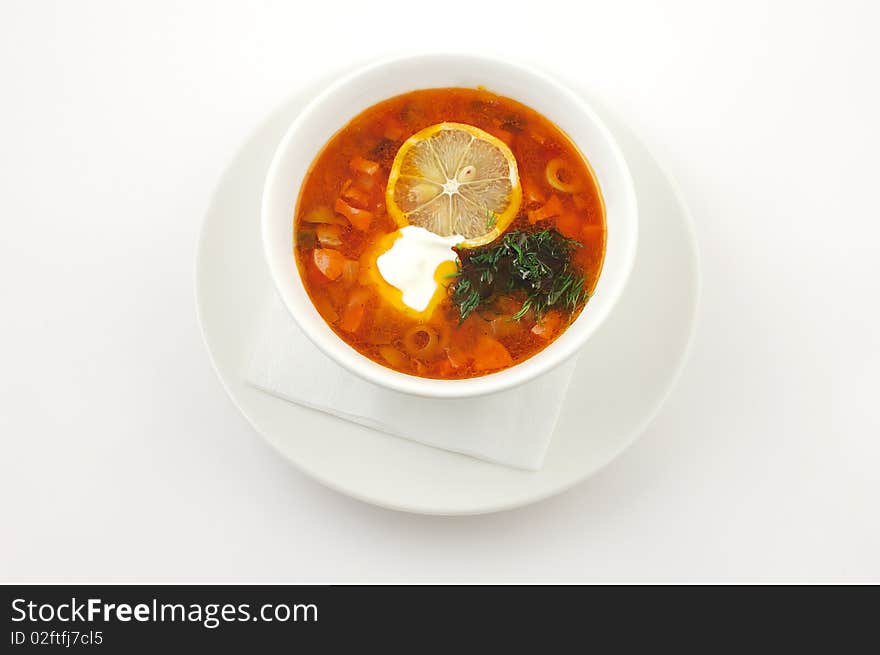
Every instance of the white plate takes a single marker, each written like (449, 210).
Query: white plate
(624, 374)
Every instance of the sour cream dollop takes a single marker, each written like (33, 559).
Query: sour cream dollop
(409, 265)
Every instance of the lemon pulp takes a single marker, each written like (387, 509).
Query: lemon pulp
(453, 178)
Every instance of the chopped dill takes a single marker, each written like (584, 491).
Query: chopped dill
(535, 264)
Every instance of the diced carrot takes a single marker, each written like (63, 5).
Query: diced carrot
(551, 208)
(570, 224)
(579, 201)
(329, 262)
(360, 218)
(353, 314)
(548, 326)
(532, 193)
(490, 354)
(361, 165)
(328, 235)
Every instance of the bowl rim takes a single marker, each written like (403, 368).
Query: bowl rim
(324, 338)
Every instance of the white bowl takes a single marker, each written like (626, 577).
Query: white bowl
(349, 96)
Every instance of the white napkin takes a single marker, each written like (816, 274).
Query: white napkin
(512, 427)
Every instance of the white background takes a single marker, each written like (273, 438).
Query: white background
(122, 458)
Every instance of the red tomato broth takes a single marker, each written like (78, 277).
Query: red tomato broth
(487, 341)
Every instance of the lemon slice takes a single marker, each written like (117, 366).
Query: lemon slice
(453, 178)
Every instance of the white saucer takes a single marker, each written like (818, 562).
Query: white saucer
(623, 376)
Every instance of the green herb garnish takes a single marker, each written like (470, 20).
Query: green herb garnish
(535, 264)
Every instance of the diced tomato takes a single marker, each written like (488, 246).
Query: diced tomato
(570, 224)
(361, 165)
(551, 208)
(548, 326)
(353, 313)
(329, 262)
(360, 218)
(490, 354)
(532, 193)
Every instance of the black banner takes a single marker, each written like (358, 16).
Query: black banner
(242, 618)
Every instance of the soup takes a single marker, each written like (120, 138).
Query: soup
(449, 233)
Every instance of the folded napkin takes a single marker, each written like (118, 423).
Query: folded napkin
(512, 427)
